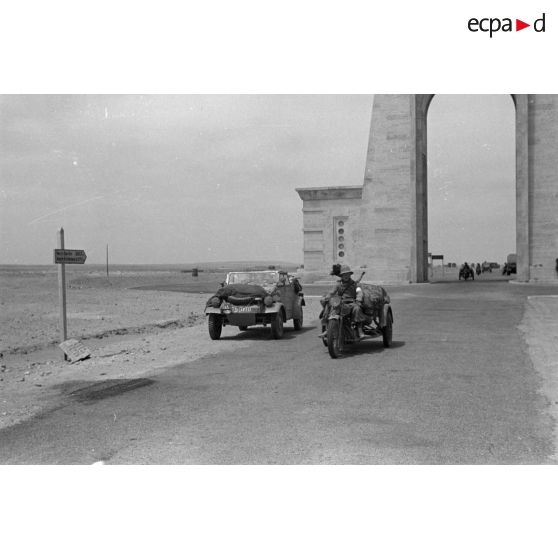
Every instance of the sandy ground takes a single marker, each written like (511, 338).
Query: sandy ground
(130, 333)
(540, 329)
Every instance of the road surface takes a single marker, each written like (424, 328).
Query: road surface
(457, 387)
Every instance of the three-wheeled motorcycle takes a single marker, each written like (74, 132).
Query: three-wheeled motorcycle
(339, 330)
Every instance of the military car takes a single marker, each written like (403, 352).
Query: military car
(249, 298)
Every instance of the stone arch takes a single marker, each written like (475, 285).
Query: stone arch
(419, 267)
(387, 214)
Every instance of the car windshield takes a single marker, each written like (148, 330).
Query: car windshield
(252, 277)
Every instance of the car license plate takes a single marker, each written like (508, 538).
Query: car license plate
(244, 309)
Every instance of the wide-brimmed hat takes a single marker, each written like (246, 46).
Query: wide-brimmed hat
(345, 269)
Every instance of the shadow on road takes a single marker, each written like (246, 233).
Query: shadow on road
(261, 333)
(372, 346)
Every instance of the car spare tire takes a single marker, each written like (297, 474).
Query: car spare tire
(241, 300)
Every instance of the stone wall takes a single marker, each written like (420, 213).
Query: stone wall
(326, 211)
(543, 181)
(387, 212)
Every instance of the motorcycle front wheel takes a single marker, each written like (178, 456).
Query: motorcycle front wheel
(324, 339)
(334, 339)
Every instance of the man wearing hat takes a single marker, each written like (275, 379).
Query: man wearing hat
(346, 288)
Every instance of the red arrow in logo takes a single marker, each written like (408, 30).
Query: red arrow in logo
(519, 25)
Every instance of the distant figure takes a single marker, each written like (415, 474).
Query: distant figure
(466, 271)
(478, 269)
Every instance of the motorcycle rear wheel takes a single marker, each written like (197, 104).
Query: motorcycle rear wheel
(334, 339)
(387, 331)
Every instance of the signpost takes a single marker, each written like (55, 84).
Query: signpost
(63, 257)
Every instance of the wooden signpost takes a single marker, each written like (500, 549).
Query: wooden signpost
(63, 257)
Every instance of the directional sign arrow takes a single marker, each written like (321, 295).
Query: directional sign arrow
(65, 256)
(519, 25)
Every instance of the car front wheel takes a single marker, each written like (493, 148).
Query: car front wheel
(297, 322)
(277, 326)
(215, 326)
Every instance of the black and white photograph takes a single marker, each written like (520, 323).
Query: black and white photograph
(209, 273)
(282, 281)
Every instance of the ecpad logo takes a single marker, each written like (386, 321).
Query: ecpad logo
(492, 25)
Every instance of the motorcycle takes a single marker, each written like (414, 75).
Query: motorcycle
(466, 273)
(339, 330)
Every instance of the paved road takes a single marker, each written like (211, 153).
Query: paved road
(457, 387)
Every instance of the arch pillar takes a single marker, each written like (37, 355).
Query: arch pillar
(522, 219)
(419, 109)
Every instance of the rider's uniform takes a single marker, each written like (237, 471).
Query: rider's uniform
(350, 290)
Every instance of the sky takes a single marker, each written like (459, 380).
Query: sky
(171, 179)
(471, 177)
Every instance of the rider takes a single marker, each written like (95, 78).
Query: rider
(346, 288)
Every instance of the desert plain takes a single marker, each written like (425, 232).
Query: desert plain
(131, 326)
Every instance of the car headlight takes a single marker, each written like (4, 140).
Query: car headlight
(215, 302)
(268, 300)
